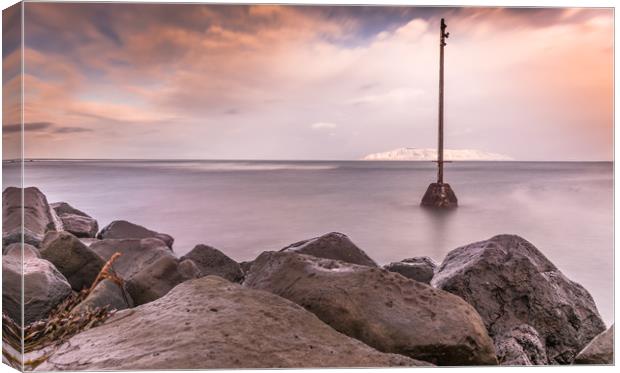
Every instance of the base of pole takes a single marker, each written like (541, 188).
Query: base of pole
(439, 196)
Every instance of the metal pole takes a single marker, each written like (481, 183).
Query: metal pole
(442, 42)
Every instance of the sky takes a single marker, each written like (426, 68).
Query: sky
(179, 81)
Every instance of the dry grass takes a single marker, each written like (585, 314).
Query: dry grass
(60, 324)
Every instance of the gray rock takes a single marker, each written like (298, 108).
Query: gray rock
(147, 265)
(75, 221)
(79, 264)
(509, 282)
(210, 323)
(211, 261)
(189, 269)
(246, 265)
(155, 280)
(12, 287)
(136, 254)
(105, 294)
(15, 250)
(599, 351)
(63, 208)
(168, 239)
(520, 346)
(420, 268)
(88, 241)
(80, 226)
(333, 245)
(44, 288)
(36, 215)
(382, 309)
(120, 229)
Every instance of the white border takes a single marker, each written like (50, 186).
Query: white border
(489, 3)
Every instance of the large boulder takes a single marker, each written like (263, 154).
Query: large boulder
(599, 351)
(419, 268)
(105, 294)
(120, 229)
(147, 265)
(15, 250)
(36, 215)
(44, 288)
(333, 245)
(79, 264)
(382, 309)
(75, 221)
(510, 283)
(211, 261)
(210, 323)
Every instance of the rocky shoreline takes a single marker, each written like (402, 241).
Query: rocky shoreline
(321, 302)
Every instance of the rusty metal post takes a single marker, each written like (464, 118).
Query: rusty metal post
(440, 195)
(443, 35)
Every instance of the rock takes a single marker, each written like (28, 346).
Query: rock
(63, 208)
(12, 287)
(211, 261)
(168, 240)
(509, 282)
(119, 229)
(189, 269)
(80, 226)
(382, 309)
(147, 265)
(420, 268)
(155, 280)
(520, 346)
(136, 254)
(246, 265)
(333, 245)
(210, 323)
(36, 215)
(15, 250)
(79, 264)
(599, 351)
(44, 288)
(105, 294)
(88, 241)
(75, 221)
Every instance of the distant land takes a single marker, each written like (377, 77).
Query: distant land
(415, 154)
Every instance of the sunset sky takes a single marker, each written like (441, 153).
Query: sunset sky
(309, 82)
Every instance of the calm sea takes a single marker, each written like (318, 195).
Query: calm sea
(246, 207)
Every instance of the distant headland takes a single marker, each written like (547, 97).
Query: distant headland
(417, 154)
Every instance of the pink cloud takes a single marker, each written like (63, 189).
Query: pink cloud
(244, 77)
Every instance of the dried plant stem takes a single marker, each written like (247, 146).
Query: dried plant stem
(60, 324)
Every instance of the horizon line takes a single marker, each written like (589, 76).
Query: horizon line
(14, 160)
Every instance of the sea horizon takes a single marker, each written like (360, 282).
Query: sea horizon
(11, 160)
